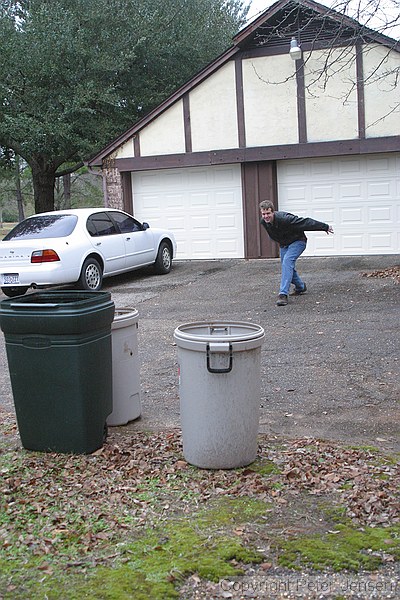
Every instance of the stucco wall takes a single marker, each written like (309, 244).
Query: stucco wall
(270, 102)
(331, 95)
(382, 91)
(126, 150)
(213, 113)
(165, 135)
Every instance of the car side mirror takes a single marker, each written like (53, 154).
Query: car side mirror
(145, 225)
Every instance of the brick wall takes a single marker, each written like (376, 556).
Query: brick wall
(113, 184)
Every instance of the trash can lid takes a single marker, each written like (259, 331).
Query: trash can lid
(241, 334)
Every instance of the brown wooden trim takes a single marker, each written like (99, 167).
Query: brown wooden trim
(127, 199)
(186, 123)
(285, 47)
(240, 103)
(244, 155)
(136, 145)
(259, 182)
(301, 102)
(360, 91)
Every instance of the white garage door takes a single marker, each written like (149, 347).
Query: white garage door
(201, 205)
(359, 196)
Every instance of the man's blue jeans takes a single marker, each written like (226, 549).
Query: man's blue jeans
(289, 255)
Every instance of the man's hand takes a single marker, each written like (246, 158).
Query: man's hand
(330, 229)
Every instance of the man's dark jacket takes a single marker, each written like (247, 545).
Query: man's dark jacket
(287, 228)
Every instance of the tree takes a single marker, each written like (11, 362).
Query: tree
(75, 73)
(13, 182)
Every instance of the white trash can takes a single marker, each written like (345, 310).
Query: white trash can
(125, 367)
(220, 390)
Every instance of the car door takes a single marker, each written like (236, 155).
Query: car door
(108, 241)
(139, 243)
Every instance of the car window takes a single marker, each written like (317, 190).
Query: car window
(126, 223)
(43, 226)
(100, 224)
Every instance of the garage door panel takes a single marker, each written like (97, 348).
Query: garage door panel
(351, 216)
(174, 202)
(225, 199)
(325, 215)
(363, 196)
(380, 189)
(197, 222)
(353, 242)
(226, 246)
(227, 222)
(323, 193)
(349, 190)
(321, 243)
(175, 222)
(199, 200)
(202, 205)
(381, 242)
(381, 214)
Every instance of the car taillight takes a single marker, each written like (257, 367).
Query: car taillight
(42, 256)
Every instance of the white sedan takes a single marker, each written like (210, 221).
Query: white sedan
(80, 246)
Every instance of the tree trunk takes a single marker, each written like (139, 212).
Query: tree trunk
(43, 188)
(18, 191)
(67, 190)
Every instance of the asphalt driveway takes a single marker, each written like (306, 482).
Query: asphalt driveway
(330, 362)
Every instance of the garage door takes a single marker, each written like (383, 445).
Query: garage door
(202, 206)
(359, 196)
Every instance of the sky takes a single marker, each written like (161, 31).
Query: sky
(387, 7)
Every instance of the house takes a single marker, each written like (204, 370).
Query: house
(319, 135)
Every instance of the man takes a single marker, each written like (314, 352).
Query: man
(288, 230)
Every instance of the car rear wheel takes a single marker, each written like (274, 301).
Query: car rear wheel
(164, 259)
(91, 276)
(11, 292)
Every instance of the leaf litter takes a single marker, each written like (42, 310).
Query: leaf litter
(94, 502)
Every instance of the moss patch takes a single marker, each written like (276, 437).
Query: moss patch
(345, 548)
(151, 566)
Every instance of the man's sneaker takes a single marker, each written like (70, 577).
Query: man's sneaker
(299, 292)
(282, 300)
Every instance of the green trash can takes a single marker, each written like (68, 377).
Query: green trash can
(58, 346)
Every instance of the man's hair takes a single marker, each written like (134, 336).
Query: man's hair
(265, 204)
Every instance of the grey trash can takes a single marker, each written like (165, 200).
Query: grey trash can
(220, 389)
(125, 367)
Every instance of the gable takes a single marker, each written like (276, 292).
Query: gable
(234, 103)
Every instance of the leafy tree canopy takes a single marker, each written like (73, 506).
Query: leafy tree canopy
(75, 73)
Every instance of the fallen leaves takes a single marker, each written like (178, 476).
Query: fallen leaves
(367, 485)
(393, 272)
(53, 501)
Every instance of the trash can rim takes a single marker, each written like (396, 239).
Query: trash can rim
(186, 337)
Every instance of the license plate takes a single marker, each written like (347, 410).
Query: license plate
(11, 278)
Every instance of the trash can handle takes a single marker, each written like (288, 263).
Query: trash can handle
(211, 369)
(34, 305)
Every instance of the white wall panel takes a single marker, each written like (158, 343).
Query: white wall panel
(331, 95)
(270, 101)
(382, 91)
(213, 113)
(166, 134)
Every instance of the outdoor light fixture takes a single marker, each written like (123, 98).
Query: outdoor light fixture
(295, 50)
